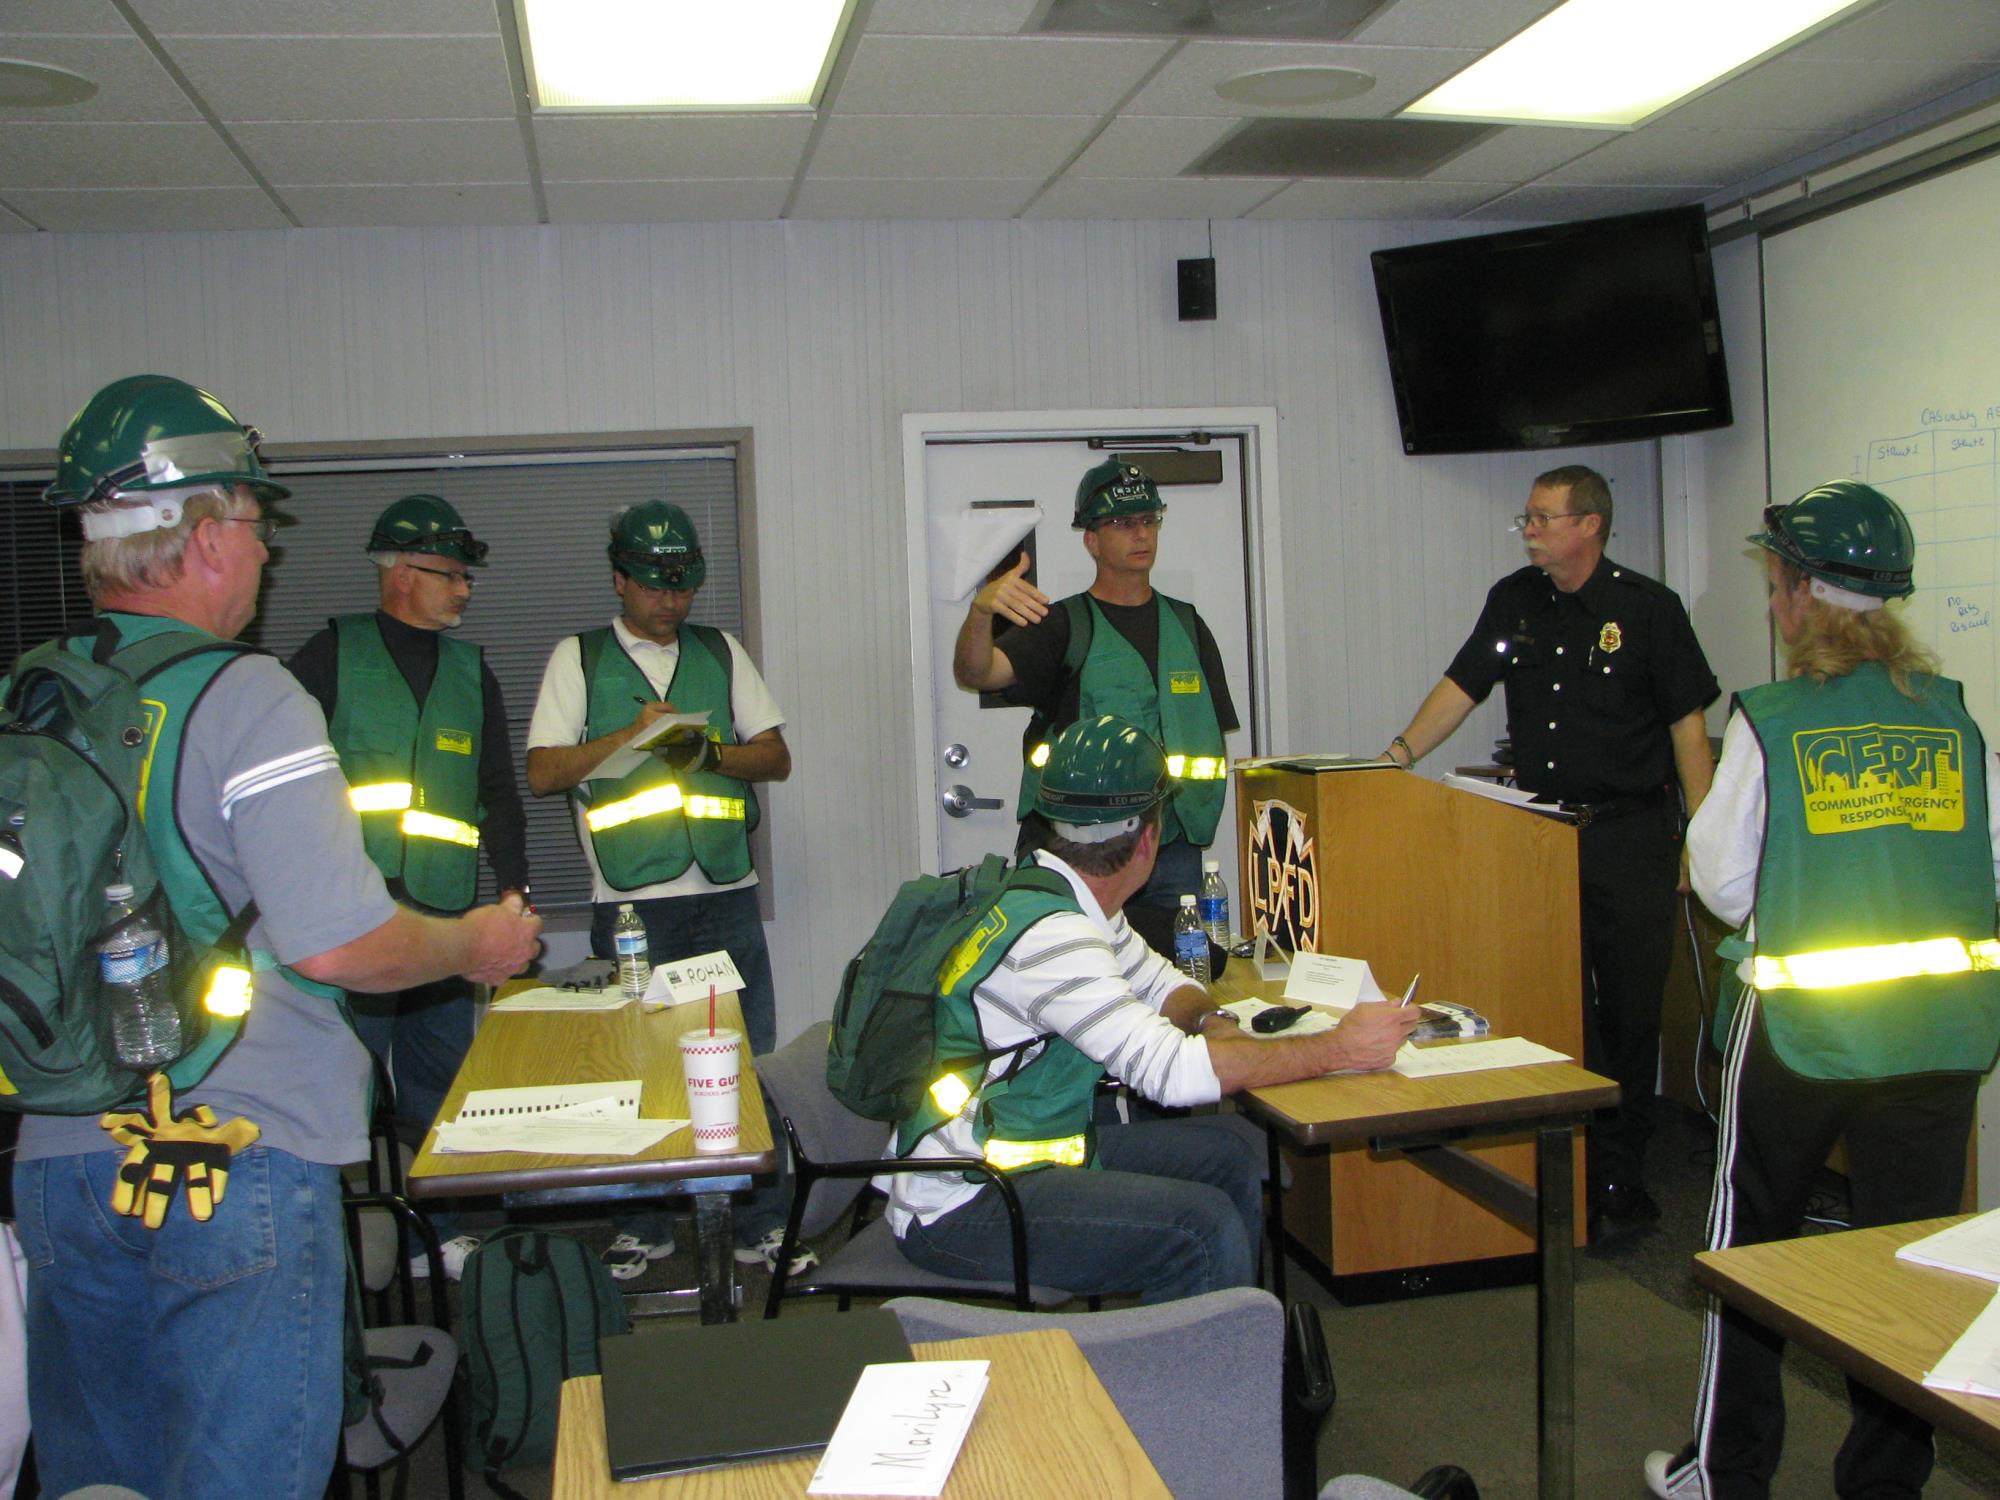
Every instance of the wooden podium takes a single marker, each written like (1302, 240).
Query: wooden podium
(1416, 877)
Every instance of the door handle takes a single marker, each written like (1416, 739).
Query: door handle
(959, 801)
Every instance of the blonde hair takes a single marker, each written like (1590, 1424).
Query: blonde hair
(148, 559)
(1834, 641)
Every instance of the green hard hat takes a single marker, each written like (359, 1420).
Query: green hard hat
(1101, 770)
(428, 524)
(1847, 533)
(655, 544)
(149, 433)
(1113, 489)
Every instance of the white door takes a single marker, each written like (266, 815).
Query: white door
(981, 498)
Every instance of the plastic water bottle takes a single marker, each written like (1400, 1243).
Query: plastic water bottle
(1214, 904)
(1191, 942)
(629, 938)
(138, 985)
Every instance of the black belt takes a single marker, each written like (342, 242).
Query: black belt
(1660, 799)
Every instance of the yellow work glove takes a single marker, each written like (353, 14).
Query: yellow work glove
(168, 1150)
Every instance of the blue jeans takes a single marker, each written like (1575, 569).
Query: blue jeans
(680, 927)
(194, 1361)
(420, 1036)
(1172, 1209)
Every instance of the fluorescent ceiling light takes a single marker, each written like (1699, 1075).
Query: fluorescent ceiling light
(679, 54)
(1619, 62)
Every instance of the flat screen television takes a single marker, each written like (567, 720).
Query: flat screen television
(1595, 332)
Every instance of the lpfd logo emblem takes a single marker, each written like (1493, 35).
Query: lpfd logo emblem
(1284, 877)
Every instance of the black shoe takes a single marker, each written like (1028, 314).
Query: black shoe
(1620, 1209)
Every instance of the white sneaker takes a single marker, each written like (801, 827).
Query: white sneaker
(453, 1252)
(626, 1256)
(1674, 1476)
(765, 1253)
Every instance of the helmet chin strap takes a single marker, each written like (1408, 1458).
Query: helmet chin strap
(1840, 598)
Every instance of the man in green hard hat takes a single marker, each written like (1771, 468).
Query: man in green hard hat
(1853, 831)
(1043, 1000)
(417, 717)
(1122, 648)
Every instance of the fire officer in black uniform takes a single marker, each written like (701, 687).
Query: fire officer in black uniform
(1605, 688)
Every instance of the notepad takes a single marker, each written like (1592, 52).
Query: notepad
(587, 1101)
(1971, 1248)
(1971, 1366)
(1473, 1057)
(571, 1119)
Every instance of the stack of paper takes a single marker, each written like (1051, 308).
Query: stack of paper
(547, 997)
(579, 1119)
(1972, 1365)
(1972, 1248)
(1473, 1057)
(902, 1429)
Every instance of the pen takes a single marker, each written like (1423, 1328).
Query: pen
(1410, 992)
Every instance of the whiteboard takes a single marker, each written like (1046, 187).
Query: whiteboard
(1882, 363)
(1882, 326)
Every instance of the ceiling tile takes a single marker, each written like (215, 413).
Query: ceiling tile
(1695, 158)
(926, 146)
(1035, 75)
(603, 148)
(131, 84)
(950, 17)
(1917, 30)
(665, 202)
(318, 18)
(1349, 199)
(1155, 147)
(373, 78)
(337, 205)
(115, 156)
(1450, 23)
(1538, 203)
(1186, 85)
(62, 18)
(891, 198)
(1520, 153)
(1161, 198)
(1381, 149)
(135, 210)
(412, 151)
(1790, 93)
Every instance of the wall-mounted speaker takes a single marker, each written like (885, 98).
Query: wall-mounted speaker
(1197, 289)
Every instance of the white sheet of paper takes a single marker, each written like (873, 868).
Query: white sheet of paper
(545, 997)
(554, 1135)
(1328, 979)
(634, 753)
(1473, 1057)
(1246, 1011)
(902, 1429)
(689, 979)
(1972, 1248)
(1972, 1364)
(1479, 786)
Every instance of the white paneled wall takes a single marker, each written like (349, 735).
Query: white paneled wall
(819, 336)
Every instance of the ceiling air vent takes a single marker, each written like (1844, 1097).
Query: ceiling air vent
(1398, 149)
(1291, 20)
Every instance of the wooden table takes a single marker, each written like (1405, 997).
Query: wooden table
(1848, 1299)
(1427, 1122)
(1045, 1414)
(525, 1048)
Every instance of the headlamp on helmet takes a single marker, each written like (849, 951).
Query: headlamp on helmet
(429, 525)
(1114, 489)
(1848, 535)
(1101, 777)
(655, 544)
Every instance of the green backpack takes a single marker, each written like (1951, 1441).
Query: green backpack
(882, 1054)
(533, 1305)
(74, 736)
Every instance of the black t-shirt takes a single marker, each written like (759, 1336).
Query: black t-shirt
(1593, 679)
(503, 831)
(1036, 654)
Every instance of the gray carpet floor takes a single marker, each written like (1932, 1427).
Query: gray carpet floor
(1450, 1378)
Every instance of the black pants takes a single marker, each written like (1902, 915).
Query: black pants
(1906, 1140)
(1628, 867)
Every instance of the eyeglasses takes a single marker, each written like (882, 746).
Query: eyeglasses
(445, 573)
(1150, 521)
(1529, 519)
(267, 528)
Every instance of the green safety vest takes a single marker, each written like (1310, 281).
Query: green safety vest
(1875, 954)
(650, 826)
(412, 769)
(1174, 706)
(170, 697)
(1032, 1115)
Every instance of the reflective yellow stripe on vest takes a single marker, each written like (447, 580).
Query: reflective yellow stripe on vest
(656, 800)
(381, 796)
(1197, 767)
(1011, 1156)
(417, 824)
(949, 1093)
(1835, 968)
(228, 992)
(10, 862)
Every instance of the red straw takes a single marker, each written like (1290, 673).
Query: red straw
(711, 1010)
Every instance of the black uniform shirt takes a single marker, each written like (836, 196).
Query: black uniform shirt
(503, 829)
(1593, 679)
(1036, 654)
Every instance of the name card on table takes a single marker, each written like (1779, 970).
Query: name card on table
(686, 980)
(902, 1429)
(1327, 979)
